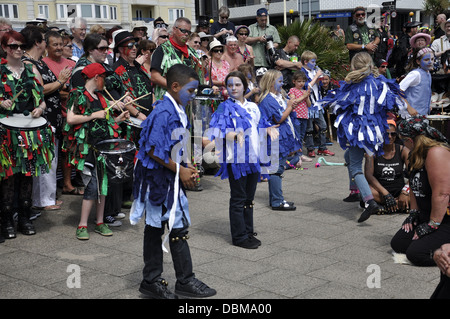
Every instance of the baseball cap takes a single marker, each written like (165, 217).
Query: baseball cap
(94, 69)
(262, 12)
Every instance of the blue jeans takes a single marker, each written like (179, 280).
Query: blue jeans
(300, 130)
(275, 186)
(354, 157)
(322, 124)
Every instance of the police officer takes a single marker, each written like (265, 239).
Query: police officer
(359, 37)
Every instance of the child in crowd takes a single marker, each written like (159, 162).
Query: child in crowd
(89, 122)
(162, 163)
(316, 117)
(301, 102)
(238, 120)
(252, 92)
(276, 108)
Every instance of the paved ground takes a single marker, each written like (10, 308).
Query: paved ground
(317, 251)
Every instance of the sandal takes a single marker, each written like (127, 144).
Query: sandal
(74, 191)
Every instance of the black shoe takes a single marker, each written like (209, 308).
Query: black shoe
(285, 206)
(157, 290)
(355, 197)
(249, 243)
(7, 230)
(2, 239)
(371, 208)
(254, 239)
(25, 226)
(194, 288)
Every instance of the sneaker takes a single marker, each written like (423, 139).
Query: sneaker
(119, 215)
(371, 208)
(82, 233)
(248, 243)
(354, 197)
(103, 230)
(157, 290)
(306, 158)
(325, 152)
(194, 288)
(311, 154)
(285, 206)
(111, 221)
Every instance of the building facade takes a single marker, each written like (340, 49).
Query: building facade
(105, 12)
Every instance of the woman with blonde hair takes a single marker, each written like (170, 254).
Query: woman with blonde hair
(428, 226)
(361, 105)
(276, 108)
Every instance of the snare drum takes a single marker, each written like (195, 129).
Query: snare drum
(441, 123)
(30, 142)
(117, 157)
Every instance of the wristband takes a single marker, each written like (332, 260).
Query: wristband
(363, 47)
(424, 229)
(434, 224)
(405, 189)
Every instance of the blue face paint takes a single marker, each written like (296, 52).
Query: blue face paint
(311, 64)
(187, 92)
(427, 61)
(279, 84)
(235, 88)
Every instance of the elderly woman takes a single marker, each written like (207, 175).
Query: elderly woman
(428, 226)
(21, 93)
(219, 67)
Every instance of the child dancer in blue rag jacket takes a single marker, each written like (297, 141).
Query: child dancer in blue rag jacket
(161, 174)
(361, 105)
(234, 129)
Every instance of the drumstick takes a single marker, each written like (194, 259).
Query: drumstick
(126, 94)
(140, 106)
(16, 96)
(113, 99)
(138, 98)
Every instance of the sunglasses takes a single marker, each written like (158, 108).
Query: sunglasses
(68, 46)
(102, 49)
(204, 39)
(185, 31)
(224, 18)
(360, 15)
(383, 66)
(393, 134)
(16, 46)
(161, 25)
(196, 42)
(218, 51)
(130, 45)
(164, 36)
(243, 34)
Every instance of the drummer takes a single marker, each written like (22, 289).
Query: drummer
(21, 93)
(89, 121)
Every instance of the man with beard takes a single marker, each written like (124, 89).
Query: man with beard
(359, 37)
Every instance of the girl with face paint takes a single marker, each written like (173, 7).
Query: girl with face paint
(275, 106)
(234, 130)
(417, 83)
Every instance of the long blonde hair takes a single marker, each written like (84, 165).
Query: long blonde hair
(361, 67)
(267, 83)
(422, 145)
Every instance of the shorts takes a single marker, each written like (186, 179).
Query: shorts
(89, 177)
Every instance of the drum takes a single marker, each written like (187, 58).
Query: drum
(441, 123)
(135, 122)
(117, 157)
(200, 112)
(30, 142)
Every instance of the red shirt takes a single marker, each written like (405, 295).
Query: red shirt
(301, 108)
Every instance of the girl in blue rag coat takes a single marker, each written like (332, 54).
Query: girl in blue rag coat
(162, 163)
(361, 105)
(277, 109)
(234, 130)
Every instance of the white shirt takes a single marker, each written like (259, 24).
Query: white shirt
(440, 45)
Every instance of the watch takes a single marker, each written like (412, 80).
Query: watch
(363, 47)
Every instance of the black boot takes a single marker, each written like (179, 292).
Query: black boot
(187, 285)
(7, 223)
(24, 224)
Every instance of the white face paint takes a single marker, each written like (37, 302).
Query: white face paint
(235, 88)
